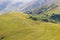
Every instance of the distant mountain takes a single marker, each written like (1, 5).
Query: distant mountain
(19, 6)
(38, 5)
(9, 6)
(4, 5)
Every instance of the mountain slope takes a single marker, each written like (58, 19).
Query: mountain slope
(3, 5)
(18, 26)
(20, 5)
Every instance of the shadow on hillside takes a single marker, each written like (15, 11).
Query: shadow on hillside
(2, 37)
(55, 17)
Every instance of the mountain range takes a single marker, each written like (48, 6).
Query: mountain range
(9, 6)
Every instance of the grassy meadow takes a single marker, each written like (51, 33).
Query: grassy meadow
(18, 26)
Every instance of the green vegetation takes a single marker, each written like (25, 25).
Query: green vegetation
(47, 13)
(17, 26)
(47, 17)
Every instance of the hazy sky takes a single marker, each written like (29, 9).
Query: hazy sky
(22, 1)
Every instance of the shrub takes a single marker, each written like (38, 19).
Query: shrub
(33, 18)
(45, 20)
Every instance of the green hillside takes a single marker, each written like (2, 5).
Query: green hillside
(18, 26)
(48, 13)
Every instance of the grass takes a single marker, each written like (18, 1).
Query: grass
(17, 26)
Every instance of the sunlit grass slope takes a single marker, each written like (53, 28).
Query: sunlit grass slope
(17, 26)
